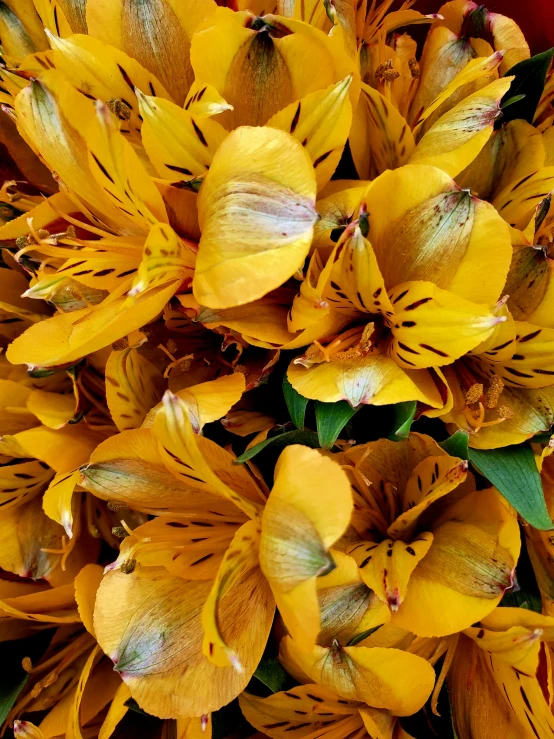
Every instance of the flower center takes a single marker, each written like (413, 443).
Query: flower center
(478, 402)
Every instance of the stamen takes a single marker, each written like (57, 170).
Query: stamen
(414, 67)
(493, 393)
(119, 108)
(128, 566)
(116, 505)
(386, 73)
(474, 393)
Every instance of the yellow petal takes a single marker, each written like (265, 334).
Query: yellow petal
(430, 480)
(158, 35)
(178, 143)
(305, 709)
(13, 401)
(53, 17)
(53, 118)
(433, 327)
(432, 230)
(444, 55)
(57, 502)
(74, 723)
(239, 565)
(256, 211)
(381, 138)
(530, 287)
(21, 481)
(531, 363)
(356, 276)
(347, 606)
(210, 401)
(120, 173)
(472, 76)
(456, 138)
(105, 73)
(374, 379)
(383, 678)
(467, 569)
(52, 409)
(386, 567)
(308, 510)
(133, 387)
(477, 703)
(260, 71)
(203, 99)
(321, 122)
(117, 711)
(63, 450)
(87, 583)
(151, 630)
(70, 336)
(182, 454)
(31, 532)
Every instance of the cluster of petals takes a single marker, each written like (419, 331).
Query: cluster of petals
(202, 203)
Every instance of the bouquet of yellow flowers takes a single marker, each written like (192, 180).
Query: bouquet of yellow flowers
(276, 371)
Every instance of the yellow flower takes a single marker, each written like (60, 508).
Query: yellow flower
(500, 676)
(440, 554)
(503, 391)
(211, 561)
(72, 683)
(407, 277)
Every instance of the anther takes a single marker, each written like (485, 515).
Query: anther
(414, 67)
(116, 505)
(128, 566)
(27, 664)
(493, 393)
(474, 393)
(385, 72)
(119, 108)
(120, 532)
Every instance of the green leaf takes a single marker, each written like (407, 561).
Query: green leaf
(403, 418)
(360, 637)
(530, 76)
(511, 101)
(512, 470)
(13, 677)
(271, 674)
(296, 404)
(307, 438)
(457, 444)
(331, 418)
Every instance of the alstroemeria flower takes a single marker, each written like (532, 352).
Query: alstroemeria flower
(503, 391)
(407, 275)
(439, 553)
(390, 129)
(500, 681)
(514, 171)
(72, 683)
(207, 571)
(359, 693)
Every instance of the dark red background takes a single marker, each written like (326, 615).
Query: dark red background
(535, 18)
